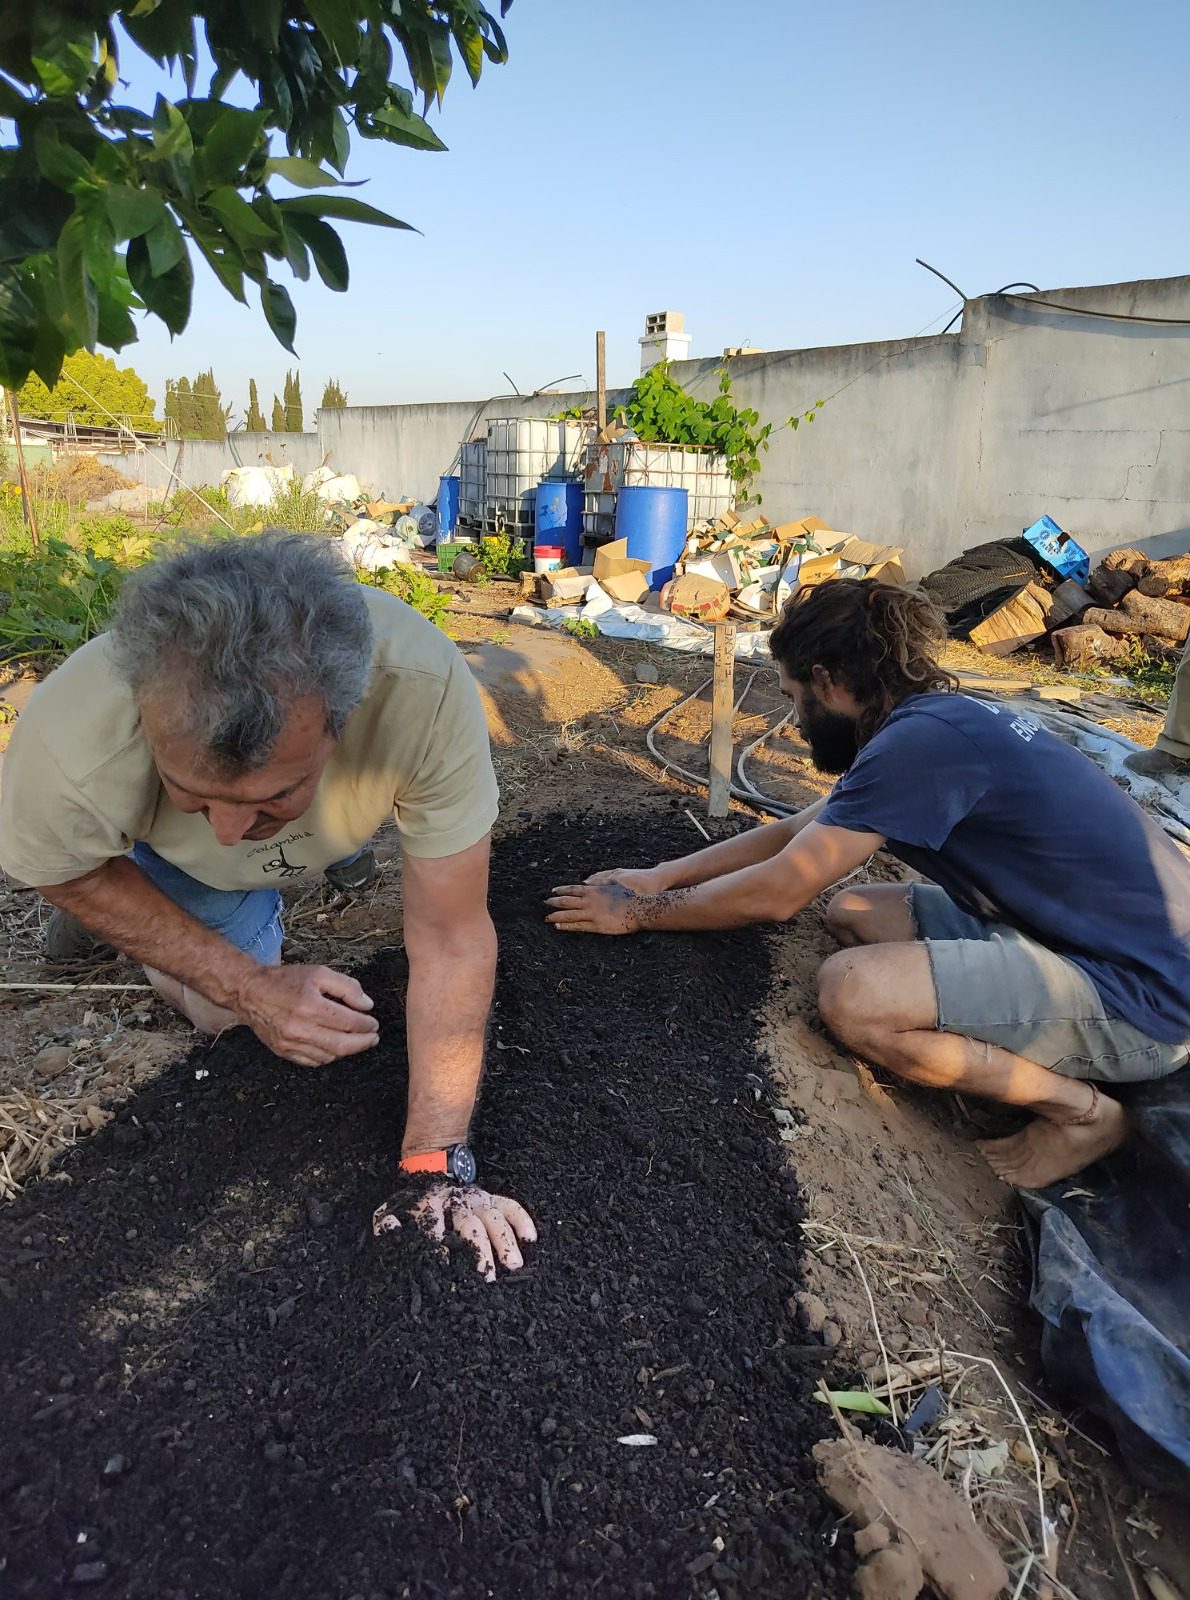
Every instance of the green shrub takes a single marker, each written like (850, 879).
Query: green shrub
(503, 556)
(53, 600)
(413, 586)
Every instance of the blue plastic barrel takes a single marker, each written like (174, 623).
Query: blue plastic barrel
(654, 523)
(448, 507)
(559, 518)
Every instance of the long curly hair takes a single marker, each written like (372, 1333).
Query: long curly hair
(877, 640)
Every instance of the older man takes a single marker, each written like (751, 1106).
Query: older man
(250, 719)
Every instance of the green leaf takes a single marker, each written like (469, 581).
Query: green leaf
(340, 140)
(18, 331)
(66, 72)
(855, 1400)
(228, 268)
(325, 246)
(75, 282)
(132, 211)
(470, 42)
(230, 142)
(166, 245)
(336, 22)
(168, 294)
(60, 162)
(279, 313)
(116, 327)
(342, 207)
(171, 134)
(31, 218)
(303, 174)
(401, 127)
(249, 230)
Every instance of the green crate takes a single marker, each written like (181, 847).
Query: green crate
(448, 552)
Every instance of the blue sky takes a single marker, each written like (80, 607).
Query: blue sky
(770, 167)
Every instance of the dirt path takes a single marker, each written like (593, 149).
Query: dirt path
(220, 1397)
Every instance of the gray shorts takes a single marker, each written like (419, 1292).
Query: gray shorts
(995, 984)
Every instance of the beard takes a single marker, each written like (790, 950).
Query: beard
(832, 737)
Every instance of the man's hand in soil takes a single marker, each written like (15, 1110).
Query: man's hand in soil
(607, 907)
(309, 1015)
(491, 1223)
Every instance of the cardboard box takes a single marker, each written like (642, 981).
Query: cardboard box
(814, 570)
(620, 576)
(882, 561)
(807, 528)
(564, 587)
(724, 566)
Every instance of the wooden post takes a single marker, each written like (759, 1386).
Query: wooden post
(722, 707)
(26, 492)
(601, 379)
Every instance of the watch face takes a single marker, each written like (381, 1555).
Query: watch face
(462, 1164)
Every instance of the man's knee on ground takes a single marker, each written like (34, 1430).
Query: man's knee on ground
(843, 915)
(840, 996)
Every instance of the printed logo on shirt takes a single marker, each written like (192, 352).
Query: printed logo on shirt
(273, 846)
(282, 867)
(1025, 727)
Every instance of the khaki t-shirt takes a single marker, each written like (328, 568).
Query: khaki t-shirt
(79, 785)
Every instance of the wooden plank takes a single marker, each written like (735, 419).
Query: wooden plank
(601, 380)
(1016, 623)
(722, 706)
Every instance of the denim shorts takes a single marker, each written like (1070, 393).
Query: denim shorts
(995, 984)
(248, 918)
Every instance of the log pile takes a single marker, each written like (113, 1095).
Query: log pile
(1129, 600)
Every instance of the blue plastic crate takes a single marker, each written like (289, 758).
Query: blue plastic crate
(1060, 552)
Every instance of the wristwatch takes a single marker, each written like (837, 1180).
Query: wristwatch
(456, 1162)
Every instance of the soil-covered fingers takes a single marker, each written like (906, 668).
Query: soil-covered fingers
(517, 1217)
(467, 1223)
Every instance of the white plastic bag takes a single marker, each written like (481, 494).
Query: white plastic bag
(256, 486)
(369, 546)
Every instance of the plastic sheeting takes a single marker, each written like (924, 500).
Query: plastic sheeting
(616, 620)
(370, 546)
(1111, 1282)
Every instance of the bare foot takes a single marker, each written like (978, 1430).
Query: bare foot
(1043, 1152)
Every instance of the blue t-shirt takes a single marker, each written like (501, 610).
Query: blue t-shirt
(1020, 827)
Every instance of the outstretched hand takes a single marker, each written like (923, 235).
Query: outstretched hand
(493, 1225)
(607, 906)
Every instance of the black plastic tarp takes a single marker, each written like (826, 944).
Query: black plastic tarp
(1111, 1282)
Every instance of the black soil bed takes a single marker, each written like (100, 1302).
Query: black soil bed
(214, 1382)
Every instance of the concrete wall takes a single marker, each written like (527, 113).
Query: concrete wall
(945, 442)
(404, 450)
(935, 443)
(204, 461)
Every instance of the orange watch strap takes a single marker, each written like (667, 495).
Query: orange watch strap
(429, 1161)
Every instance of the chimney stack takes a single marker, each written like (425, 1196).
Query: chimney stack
(665, 339)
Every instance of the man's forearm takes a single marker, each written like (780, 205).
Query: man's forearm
(732, 855)
(735, 900)
(451, 978)
(119, 904)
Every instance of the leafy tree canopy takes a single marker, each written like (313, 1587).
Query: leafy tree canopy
(95, 390)
(101, 202)
(334, 396)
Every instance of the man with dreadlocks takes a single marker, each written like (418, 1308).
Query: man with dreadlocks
(1049, 953)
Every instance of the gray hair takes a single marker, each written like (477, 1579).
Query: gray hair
(237, 630)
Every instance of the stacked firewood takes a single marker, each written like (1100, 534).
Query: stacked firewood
(1129, 599)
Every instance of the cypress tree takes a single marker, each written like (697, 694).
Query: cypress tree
(278, 416)
(254, 422)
